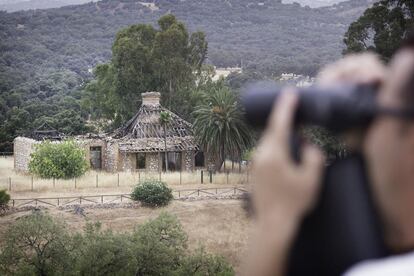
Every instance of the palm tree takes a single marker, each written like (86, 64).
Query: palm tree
(165, 119)
(219, 125)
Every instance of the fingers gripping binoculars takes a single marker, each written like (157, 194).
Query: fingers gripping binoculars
(344, 228)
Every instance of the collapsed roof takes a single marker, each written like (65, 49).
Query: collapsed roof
(145, 133)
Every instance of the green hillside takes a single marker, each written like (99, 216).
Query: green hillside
(48, 55)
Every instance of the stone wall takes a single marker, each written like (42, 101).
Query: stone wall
(112, 156)
(188, 161)
(127, 161)
(86, 144)
(23, 147)
(153, 162)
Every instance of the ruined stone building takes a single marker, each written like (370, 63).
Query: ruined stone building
(138, 145)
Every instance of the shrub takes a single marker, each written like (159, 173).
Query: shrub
(152, 193)
(58, 160)
(4, 200)
(36, 244)
(202, 263)
(101, 252)
(160, 245)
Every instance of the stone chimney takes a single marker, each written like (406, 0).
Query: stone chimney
(151, 98)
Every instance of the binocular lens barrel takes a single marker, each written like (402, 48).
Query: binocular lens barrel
(338, 108)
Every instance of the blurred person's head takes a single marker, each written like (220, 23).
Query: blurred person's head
(389, 142)
(389, 149)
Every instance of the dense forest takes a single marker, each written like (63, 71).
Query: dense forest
(47, 56)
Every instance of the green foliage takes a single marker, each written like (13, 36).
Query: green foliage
(160, 245)
(4, 197)
(152, 193)
(202, 263)
(381, 28)
(58, 160)
(4, 200)
(44, 70)
(37, 244)
(219, 125)
(145, 59)
(103, 252)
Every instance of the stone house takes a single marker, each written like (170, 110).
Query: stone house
(138, 145)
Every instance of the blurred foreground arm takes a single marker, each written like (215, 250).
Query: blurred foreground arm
(283, 191)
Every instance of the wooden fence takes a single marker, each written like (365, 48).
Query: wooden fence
(121, 198)
(107, 180)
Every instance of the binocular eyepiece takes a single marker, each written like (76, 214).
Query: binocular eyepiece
(337, 108)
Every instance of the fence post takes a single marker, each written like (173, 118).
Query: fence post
(211, 177)
(10, 184)
(32, 183)
(96, 180)
(202, 180)
(58, 201)
(139, 177)
(54, 183)
(228, 177)
(75, 182)
(118, 179)
(101, 198)
(181, 172)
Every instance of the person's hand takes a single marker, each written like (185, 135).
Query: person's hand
(283, 191)
(366, 69)
(282, 186)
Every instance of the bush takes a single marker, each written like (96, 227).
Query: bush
(58, 160)
(160, 245)
(38, 244)
(202, 263)
(152, 193)
(4, 200)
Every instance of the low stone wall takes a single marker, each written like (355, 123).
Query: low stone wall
(23, 147)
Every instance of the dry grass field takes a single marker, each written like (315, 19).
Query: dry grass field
(221, 226)
(94, 182)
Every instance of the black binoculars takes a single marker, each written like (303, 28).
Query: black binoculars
(344, 228)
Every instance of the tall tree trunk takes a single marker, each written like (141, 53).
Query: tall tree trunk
(165, 147)
(223, 155)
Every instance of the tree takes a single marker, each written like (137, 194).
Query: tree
(58, 160)
(160, 245)
(219, 126)
(145, 59)
(36, 245)
(165, 119)
(101, 252)
(381, 28)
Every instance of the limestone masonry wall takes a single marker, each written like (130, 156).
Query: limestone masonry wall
(153, 162)
(111, 160)
(22, 149)
(188, 157)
